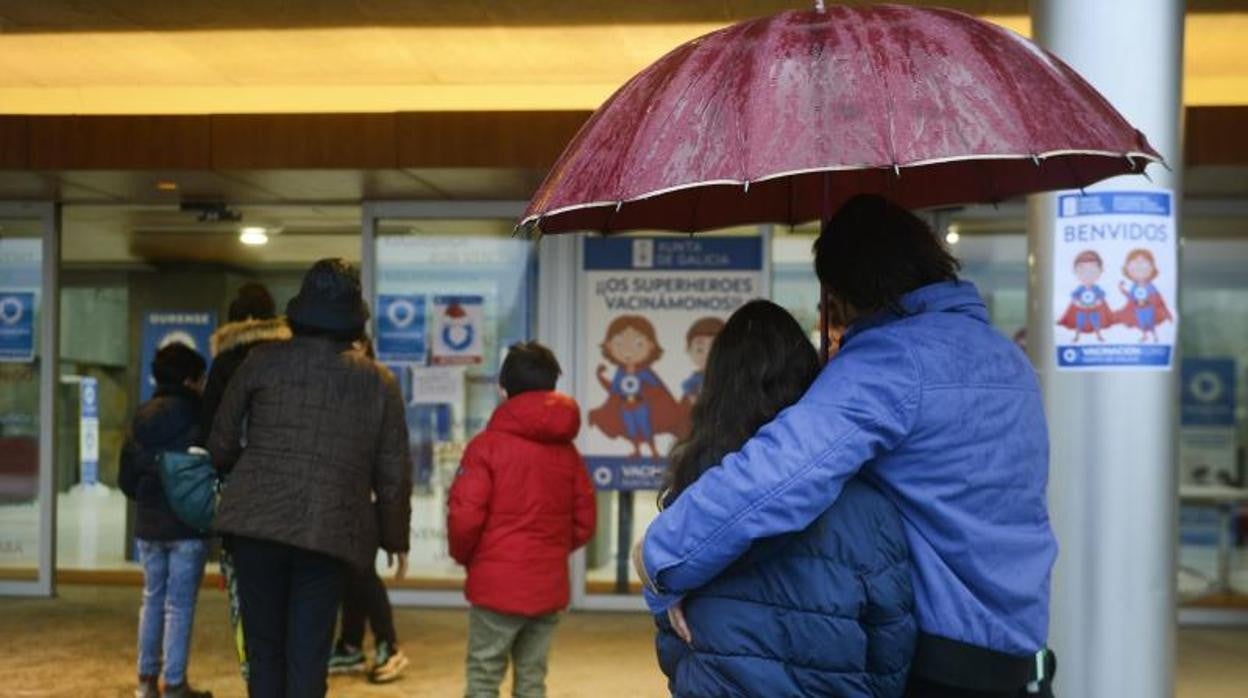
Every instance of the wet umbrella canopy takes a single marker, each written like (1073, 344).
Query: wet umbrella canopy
(783, 118)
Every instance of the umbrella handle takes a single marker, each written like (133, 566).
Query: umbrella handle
(824, 318)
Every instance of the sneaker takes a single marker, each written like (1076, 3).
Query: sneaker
(149, 687)
(388, 664)
(184, 690)
(347, 660)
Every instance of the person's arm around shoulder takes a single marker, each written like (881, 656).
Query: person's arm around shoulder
(392, 471)
(469, 501)
(584, 503)
(225, 442)
(863, 404)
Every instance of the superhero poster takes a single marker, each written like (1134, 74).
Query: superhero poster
(1115, 276)
(652, 307)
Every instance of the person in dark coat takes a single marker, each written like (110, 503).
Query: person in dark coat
(252, 321)
(827, 611)
(312, 435)
(171, 552)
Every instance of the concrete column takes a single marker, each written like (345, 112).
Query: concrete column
(1113, 485)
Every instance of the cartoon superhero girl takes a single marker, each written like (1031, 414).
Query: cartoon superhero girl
(1088, 312)
(1145, 308)
(639, 406)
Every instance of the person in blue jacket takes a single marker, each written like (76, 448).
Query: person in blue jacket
(926, 401)
(827, 611)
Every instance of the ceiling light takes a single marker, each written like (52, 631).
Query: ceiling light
(951, 235)
(253, 235)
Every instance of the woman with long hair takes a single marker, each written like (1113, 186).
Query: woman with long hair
(827, 611)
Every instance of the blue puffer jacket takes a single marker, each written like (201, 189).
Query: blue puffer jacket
(940, 412)
(824, 612)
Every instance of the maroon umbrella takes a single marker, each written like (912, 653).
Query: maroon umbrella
(783, 118)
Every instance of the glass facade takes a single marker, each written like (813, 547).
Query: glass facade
(450, 297)
(21, 358)
(115, 281)
(433, 278)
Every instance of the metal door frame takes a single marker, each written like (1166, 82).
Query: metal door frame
(48, 214)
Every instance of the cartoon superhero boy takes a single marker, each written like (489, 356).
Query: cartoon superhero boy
(639, 406)
(1088, 312)
(698, 342)
(1145, 308)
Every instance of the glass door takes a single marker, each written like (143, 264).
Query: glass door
(451, 290)
(28, 340)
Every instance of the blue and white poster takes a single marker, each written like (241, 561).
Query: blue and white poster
(458, 330)
(89, 430)
(653, 306)
(402, 328)
(1115, 276)
(1207, 437)
(193, 328)
(17, 326)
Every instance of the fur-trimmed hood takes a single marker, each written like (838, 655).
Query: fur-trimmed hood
(237, 334)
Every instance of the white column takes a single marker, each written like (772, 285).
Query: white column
(1113, 485)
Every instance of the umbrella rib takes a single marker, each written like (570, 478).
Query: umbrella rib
(890, 105)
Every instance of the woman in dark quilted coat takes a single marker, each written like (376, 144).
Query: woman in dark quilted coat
(313, 436)
(827, 611)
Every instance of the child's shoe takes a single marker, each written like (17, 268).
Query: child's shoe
(388, 663)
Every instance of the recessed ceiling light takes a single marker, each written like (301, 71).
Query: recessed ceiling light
(253, 235)
(952, 236)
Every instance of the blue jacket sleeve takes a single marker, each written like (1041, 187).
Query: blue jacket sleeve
(863, 404)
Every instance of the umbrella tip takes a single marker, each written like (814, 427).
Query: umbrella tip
(528, 230)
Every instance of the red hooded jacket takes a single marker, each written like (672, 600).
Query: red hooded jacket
(521, 502)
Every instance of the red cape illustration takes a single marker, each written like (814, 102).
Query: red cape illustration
(1069, 319)
(1126, 314)
(667, 416)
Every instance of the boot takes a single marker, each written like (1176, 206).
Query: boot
(184, 690)
(149, 687)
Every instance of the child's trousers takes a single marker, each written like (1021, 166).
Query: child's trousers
(496, 638)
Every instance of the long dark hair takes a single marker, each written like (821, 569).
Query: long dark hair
(760, 363)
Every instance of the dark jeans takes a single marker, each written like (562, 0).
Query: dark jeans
(366, 599)
(289, 598)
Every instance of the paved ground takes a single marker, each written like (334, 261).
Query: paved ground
(82, 644)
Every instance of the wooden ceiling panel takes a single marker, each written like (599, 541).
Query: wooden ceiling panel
(101, 142)
(246, 141)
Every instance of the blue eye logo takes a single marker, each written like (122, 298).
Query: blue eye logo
(11, 310)
(401, 313)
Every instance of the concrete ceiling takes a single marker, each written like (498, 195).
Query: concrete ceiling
(196, 56)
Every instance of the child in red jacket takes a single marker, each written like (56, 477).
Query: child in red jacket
(520, 504)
